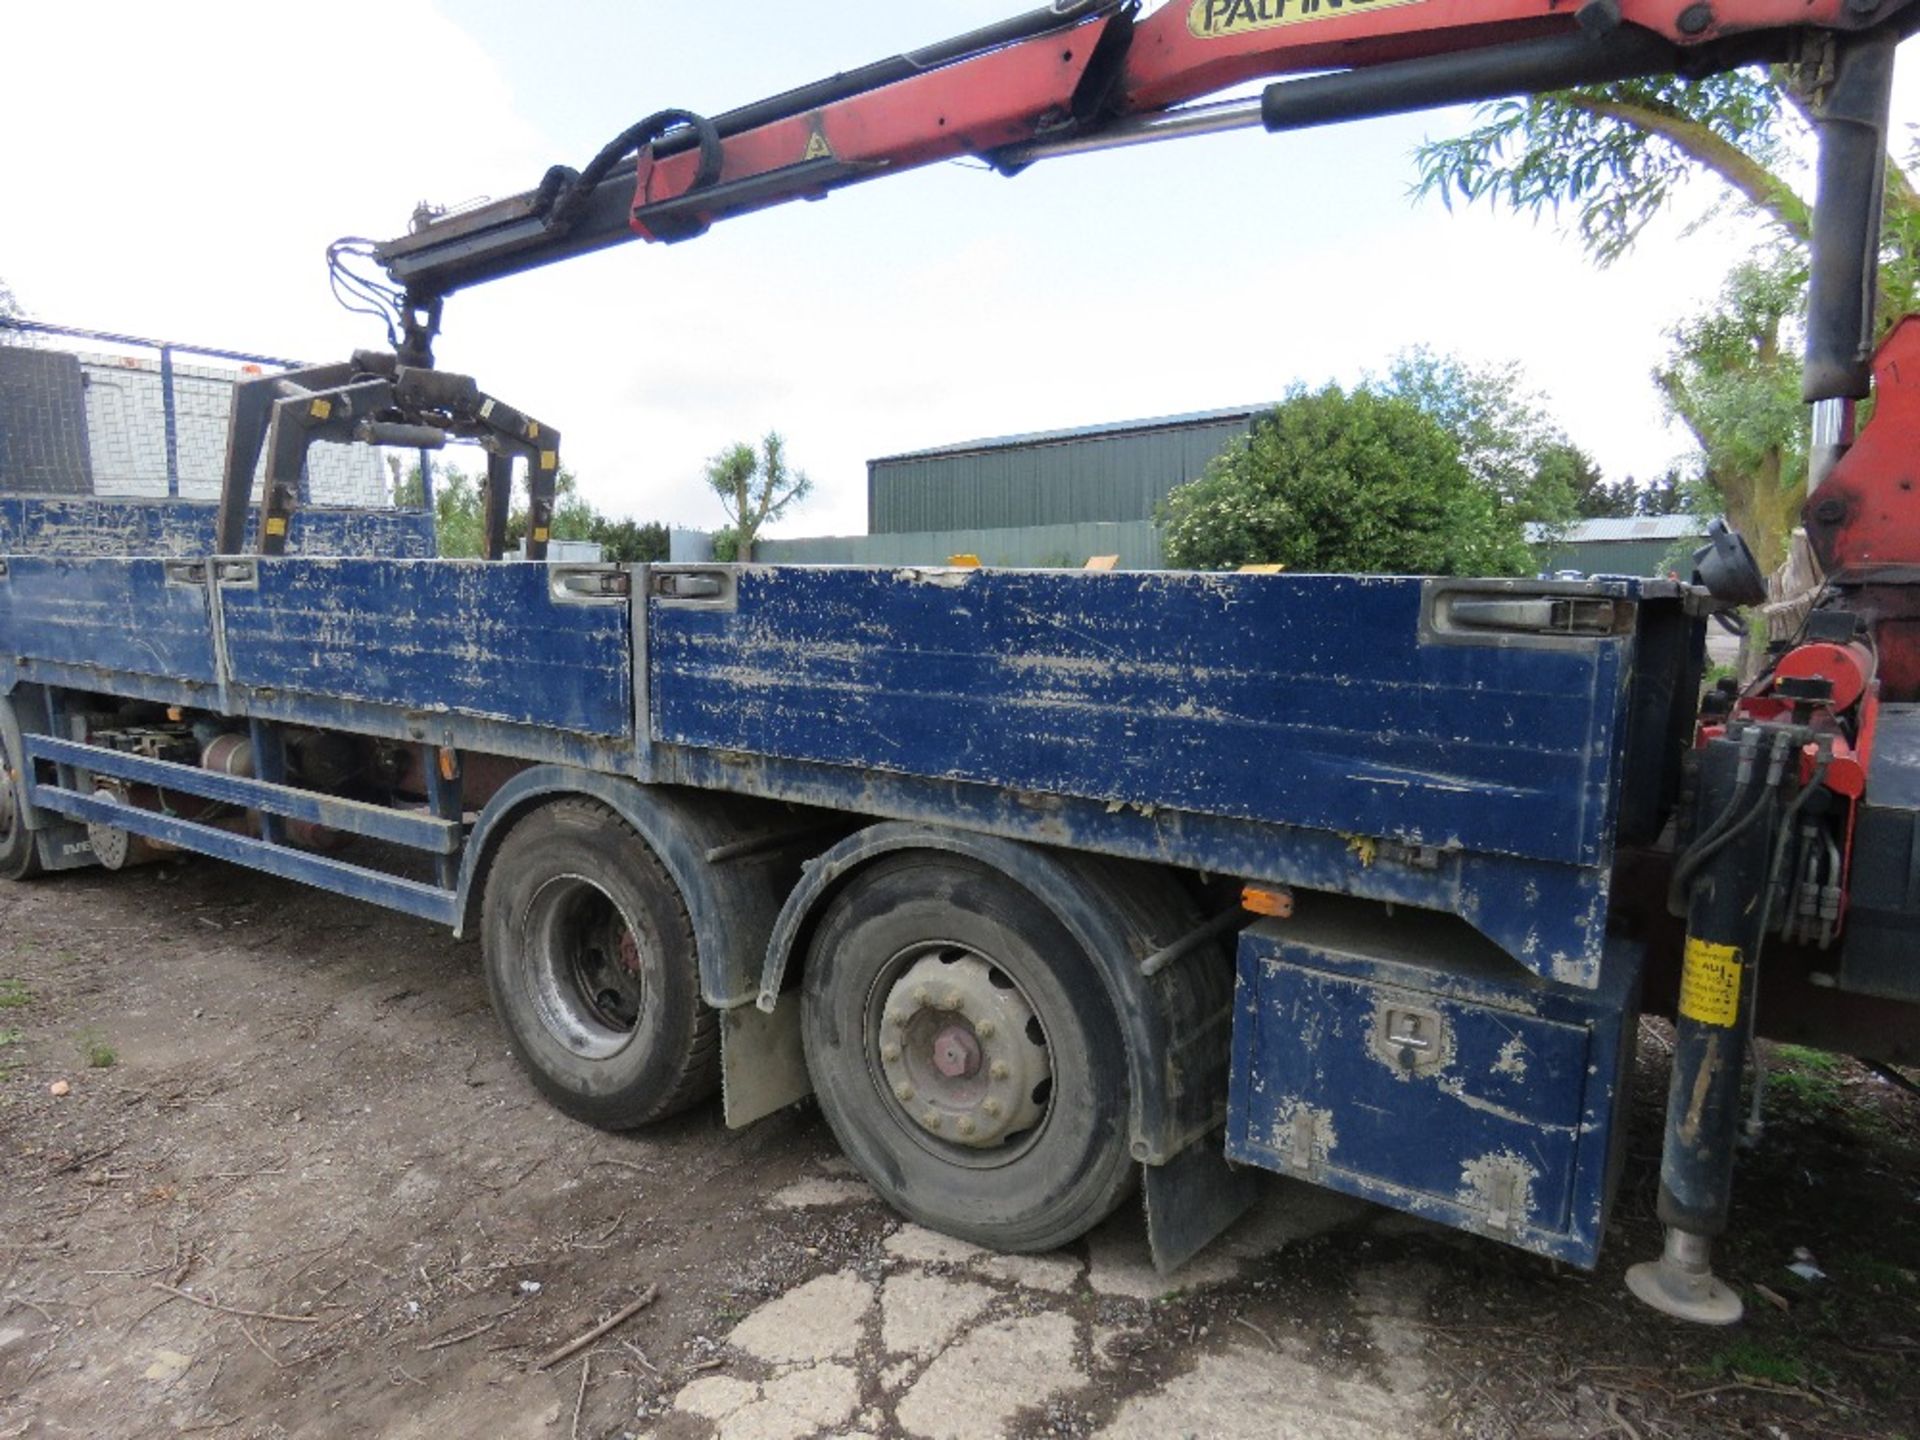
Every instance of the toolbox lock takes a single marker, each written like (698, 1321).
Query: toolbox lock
(1412, 1041)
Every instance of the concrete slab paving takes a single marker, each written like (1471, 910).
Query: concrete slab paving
(922, 1246)
(822, 1320)
(1056, 1273)
(980, 1383)
(1248, 1394)
(920, 1313)
(820, 1192)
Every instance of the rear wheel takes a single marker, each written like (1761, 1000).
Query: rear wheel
(591, 964)
(965, 1051)
(19, 860)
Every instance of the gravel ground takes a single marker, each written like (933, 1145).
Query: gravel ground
(295, 1187)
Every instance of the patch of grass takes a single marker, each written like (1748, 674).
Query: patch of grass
(11, 1037)
(1803, 1058)
(1806, 1078)
(14, 995)
(1755, 1360)
(95, 1050)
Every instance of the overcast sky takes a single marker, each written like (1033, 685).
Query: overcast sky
(178, 171)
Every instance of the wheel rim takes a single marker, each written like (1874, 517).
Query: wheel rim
(959, 1055)
(585, 970)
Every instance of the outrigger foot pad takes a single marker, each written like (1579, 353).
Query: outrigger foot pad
(1681, 1282)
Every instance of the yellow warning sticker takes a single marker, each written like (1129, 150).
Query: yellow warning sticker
(1221, 19)
(549, 459)
(541, 535)
(276, 525)
(320, 409)
(817, 147)
(1710, 983)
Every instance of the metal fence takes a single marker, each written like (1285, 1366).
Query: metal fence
(135, 421)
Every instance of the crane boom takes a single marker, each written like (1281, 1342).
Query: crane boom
(1082, 75)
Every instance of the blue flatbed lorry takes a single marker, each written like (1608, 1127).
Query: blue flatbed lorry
(1048, 884)
(675, 801)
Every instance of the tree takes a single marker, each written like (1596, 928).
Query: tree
(460, 523)
(1332, 481)
(1732, 379)
(1508, 442)
(9, 310)
(1617, 154)
(756, 487)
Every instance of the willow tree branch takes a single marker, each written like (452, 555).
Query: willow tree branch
(1699, 144)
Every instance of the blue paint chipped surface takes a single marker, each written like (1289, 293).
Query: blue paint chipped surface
(1309, 700)
(123, 616)
(79, 526)
(1502, 1124)
(477, 639)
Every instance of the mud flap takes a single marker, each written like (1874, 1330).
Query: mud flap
(1192, 1199)
(63, 845)
(762, 1067)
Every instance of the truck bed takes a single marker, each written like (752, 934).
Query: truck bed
(1336, 732)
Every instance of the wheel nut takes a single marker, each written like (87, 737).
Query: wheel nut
(922, 996)
(889, 1051)
(984, 1029)
(991, 1106)
(932, 1119)
(953, 999)
(1000, 1071)
(967, 1127)
(905, 1092)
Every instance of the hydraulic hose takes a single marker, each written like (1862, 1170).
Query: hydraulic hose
(1688, 864)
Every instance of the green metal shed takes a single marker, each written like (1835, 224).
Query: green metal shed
(1099, 473)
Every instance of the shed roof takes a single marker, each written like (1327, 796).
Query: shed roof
(1634, 527)
(1083, 432)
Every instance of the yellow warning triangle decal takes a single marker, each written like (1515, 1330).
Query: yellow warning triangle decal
(817, 147)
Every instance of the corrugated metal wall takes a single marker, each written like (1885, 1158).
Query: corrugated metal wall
(1136, 542)
(1054, 480)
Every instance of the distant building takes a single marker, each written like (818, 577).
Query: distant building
(1051, 498)
(1093, 474)
(1638, 545)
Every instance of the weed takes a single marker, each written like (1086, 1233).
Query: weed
(95, 1050)
(1754, 1360)
(1802, 1058)
(1805, 1079)
(11, 1037)
(14, 995)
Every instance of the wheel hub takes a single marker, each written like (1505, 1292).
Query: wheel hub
(586, 970)
(962, 1051)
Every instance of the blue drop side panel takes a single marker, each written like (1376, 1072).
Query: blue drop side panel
(98, 526)
(1532, 1084)
(1305, 700)
(111, 615)
(466, 637)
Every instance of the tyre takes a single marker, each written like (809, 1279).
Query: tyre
(967, 1055)
(19, 858)
(592, 967)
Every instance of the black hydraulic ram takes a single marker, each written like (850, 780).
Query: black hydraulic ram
(1723, 879)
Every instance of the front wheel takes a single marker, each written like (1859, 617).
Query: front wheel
(967, 1055)
(591, 964)
(19, 859)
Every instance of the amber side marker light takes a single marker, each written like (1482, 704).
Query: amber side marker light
(1263, 901)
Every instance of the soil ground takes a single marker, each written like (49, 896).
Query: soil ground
(296, 1187)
